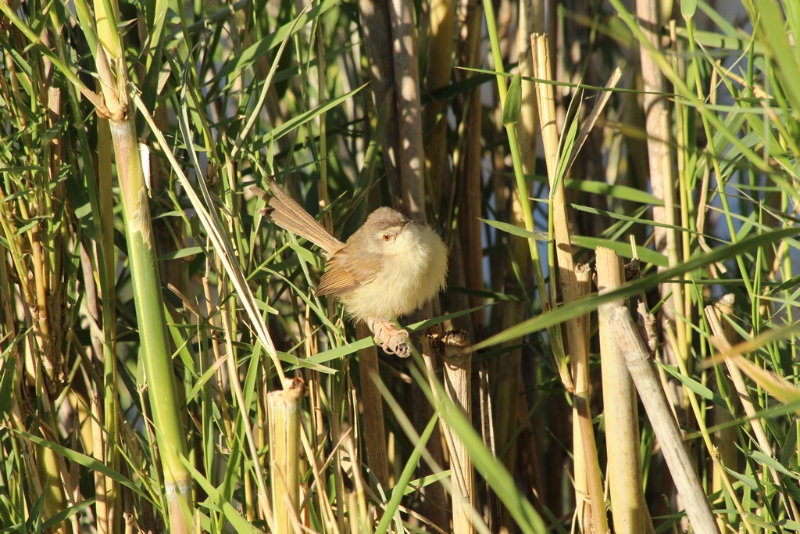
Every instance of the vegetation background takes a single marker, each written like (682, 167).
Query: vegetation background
(166, 366)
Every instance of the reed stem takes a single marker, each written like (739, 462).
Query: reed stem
(645, 377)
(457, 362)
(621, 412)
(284, 411)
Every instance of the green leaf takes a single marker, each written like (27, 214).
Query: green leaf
(405, 477)
(621, 192)
(513, 103)
(694, 385)
(7, 387)
(67, 513)
(301, 119)
(774, 25)
(589, 303)
(767, 460)
(262, 47)
(639, 219)
(623, 249)
(182, 253)
(515, 230)
(350, 348)
(81, 459)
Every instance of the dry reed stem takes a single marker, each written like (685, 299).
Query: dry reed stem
(284, 411)
(640, 366)
(360, 510)
(572, 288)
(469, 163)
(409, 123)
(442, 21)
(376, 24)
(435, 505)
(723, 339)
(98, 452)
(547, 120)
(584, 445)
(621, 414)
(724, 439)
(457, 363)
(372, 403)
(657, 126)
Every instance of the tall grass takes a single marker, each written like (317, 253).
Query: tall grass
(166, 365)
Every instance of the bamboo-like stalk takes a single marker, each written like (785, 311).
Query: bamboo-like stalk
(585, 446)
(621, 414)
(164, 402)
(409, 116)
(467, 159)
(284, 411)
(645, 377)
(152, 323)
(572, 288)
(547, 120)
(441, 26)
(376, 23)
(457, 363)
(657, 126)
(372, 403)
(435, 505)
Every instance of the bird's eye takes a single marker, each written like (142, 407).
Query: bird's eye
(387, 237)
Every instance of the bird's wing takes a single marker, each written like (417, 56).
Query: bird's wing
(347, 270)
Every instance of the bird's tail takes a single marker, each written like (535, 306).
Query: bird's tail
(289, 215)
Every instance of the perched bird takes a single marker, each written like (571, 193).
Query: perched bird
(388, 268)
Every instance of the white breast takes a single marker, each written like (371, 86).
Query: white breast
(415, 274)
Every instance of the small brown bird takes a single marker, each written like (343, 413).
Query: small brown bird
(388, 268)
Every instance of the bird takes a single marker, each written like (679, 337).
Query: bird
(390, 267)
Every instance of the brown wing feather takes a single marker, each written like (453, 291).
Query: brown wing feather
(346, 271)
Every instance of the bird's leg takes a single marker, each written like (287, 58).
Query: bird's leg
(391, 339)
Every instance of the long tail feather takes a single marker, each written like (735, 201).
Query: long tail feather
(289, 215)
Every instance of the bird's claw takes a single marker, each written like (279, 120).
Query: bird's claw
(390, 339)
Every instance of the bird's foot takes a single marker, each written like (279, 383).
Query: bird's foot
(391, 339)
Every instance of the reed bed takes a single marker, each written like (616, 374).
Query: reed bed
(615, 350)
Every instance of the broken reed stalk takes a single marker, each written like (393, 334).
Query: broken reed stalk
(435, 503)
(571, 287)
(284, 411)
(457, 363)
(624, 472)
(645, 377)
(372, 402)
(585, 446)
